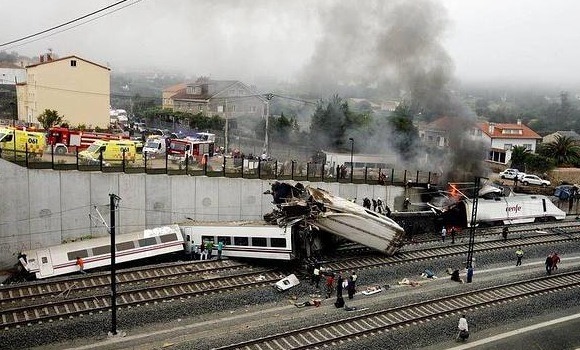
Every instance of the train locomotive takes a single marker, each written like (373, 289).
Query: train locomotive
(515, 209)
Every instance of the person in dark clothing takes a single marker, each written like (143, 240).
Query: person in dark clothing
(455, 276)
(374, 204)
(367, 203)
(339, 302)
(504, 233)
(350, 288)
(452, 233)
(549, 264)
(339, 286)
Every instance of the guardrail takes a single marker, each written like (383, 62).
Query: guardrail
(222, 166)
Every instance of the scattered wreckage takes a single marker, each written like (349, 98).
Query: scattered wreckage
(324, 211)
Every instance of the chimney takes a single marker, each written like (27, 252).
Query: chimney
(491, 128)
(519, 121)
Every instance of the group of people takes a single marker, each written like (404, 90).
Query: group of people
(333, 282)
(552, 261)
(377, 206)
(205, 250)
(444, 232)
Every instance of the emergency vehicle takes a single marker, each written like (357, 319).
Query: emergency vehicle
(64, 138)
(22, 141)
(191, 148)
(112, 151)
(155, 146)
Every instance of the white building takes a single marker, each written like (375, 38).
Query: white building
(500, 138)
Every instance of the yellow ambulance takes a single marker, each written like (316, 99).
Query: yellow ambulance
(22, 141)
(112, 151)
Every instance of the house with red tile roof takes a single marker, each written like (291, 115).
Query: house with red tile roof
(500, 138)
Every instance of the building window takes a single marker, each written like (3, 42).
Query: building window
(507, 146)
(528, 146)
(200, 108)
(73, 63)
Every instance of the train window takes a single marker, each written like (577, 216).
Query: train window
(278, 242)
(44, 260)
(225, 240)
(102, 250)
(168, 238)
(125, 246)
(80, 253)
(242, 241)
(259, 242)
(207, 238)
(544, 204)
(144, 242)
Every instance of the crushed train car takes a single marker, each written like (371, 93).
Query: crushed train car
(336, 215)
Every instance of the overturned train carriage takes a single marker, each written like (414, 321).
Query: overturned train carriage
(338, 216)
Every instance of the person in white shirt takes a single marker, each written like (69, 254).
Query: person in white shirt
(463, 328)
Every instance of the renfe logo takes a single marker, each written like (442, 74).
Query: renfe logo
(513, 209)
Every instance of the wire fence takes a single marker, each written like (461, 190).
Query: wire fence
(220, 166)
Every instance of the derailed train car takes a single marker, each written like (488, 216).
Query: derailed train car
(326, 212)
(507, 210)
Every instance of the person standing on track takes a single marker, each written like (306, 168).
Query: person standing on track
(504, 233)
(555, 261)
(549, 264)
(220, 247)
(81, 264)
(519, 255)
(316, 275)
(443, 234)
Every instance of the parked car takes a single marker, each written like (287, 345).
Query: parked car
(509, 173)
(534, 180)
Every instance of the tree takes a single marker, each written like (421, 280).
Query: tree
(563, 150)
(519, 158)
(405, 134)
(49, 118)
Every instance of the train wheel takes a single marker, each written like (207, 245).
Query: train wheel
(526, 183)
(544, 185)
(60, 150)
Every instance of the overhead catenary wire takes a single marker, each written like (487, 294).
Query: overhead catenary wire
(67, 23)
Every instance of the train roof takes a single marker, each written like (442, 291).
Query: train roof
(119, 238)
(227, 223)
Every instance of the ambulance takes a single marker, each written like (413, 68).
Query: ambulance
(22, 141)
(112, 151)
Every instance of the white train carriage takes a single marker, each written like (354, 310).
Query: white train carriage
(61, 259)
(513, 210)
(244, 239)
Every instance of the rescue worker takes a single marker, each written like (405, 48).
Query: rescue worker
(555, 261)
(220, 247)
(504, 233)
(209, 248)
(519, 255)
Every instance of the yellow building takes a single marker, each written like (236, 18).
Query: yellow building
(79, 90)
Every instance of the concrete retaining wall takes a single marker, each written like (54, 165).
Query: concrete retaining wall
(40, 208)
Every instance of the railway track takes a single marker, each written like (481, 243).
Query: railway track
(50, 300)
(60, 309)
(40, 290)
(378, 322)
(439, 252)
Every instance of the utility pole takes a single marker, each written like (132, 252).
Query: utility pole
(266, 140)
(226, 127)
(472, 231)
(113, 205)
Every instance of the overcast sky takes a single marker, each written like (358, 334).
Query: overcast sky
(479, 40)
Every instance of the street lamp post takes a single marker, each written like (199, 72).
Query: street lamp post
(351, 156)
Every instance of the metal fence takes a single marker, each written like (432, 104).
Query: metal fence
(222, 166)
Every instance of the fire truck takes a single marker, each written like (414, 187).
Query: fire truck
(64, 139)
(191, 148)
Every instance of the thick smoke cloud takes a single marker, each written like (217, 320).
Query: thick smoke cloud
(394, 48)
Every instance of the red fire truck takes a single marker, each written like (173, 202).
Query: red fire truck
(192, 148)
(64, 139)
